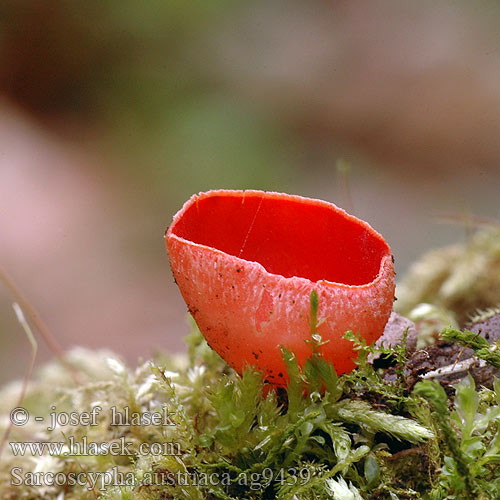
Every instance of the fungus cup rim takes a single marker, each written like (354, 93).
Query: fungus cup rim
(383, 267)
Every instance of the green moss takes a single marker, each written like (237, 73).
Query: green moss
(223, 428)
(255, 443)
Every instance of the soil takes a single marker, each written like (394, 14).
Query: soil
(445, 353)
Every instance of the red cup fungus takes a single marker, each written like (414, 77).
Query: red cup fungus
(246, 263)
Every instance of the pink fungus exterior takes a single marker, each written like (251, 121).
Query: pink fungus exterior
(246, 263)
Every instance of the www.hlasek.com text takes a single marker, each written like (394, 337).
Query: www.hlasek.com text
(84, 447)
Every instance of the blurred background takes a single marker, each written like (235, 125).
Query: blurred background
(113, 113)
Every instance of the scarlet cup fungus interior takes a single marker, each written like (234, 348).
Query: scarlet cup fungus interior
(287, 236)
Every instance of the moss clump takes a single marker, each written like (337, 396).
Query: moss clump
(461, 278)
(364, 435)
(226, 436)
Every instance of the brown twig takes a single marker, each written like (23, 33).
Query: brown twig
(459, 355)
(343, 175)
(37, 321)
(466, 219)
(29, 371)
